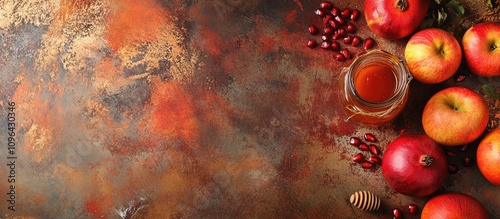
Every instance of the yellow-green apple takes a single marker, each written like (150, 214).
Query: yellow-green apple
(481, 44)
(433, 55)
(455, 116)
(488, 156)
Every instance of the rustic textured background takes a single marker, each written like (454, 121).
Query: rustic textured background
(191, 109)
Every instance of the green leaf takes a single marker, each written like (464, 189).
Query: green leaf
(427, 23)
(457, 8)
(490, 91)
(440, 16)
(488, 4)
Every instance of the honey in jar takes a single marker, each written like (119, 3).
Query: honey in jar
(375, 83)
(374, 88)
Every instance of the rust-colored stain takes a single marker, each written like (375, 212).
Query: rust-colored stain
(173, 112)
(133, 22)
(189, 109)
(94, 208)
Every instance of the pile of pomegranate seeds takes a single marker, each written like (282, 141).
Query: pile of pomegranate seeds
(367, 145)
(338, 27)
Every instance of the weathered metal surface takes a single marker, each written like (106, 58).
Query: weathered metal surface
(192, 109)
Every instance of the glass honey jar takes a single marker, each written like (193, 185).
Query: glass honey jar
(373, 90)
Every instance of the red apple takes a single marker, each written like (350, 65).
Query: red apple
(394, 19)
(455, 116)
(454, 205)
(481, 45)
(433, 55)
(488, 156)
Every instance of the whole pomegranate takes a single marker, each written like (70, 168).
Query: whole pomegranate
(454, 205)
(414, 165)
(394, 19)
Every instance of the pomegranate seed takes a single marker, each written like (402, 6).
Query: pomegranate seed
(369, 137)
(367, 165)
(336, 35)
(320, 12)
(340, 19)
(355, 14)
(362, 146)
(450, 153)
(335, 46)
(324, 37)
(347, 40)
(328, 30)
(464, 148)
(335, 25)
(325, 45)
(312, 44)
(402, 131)
(313, 29)
(355, 141)
(335, 11)
(355, 41)
(396, 213)
(374, 149)
(325, 5)
(339, 57)
(467, 162)
(453, 169)
(346, 53)
(327, 19)
(346, 13)
(375, 160)
(412, 208)
(351, 28)
(358, 158)
(460, 78)
(342, 32)
(369, 43)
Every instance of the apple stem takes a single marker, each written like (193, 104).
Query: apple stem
(493, 47)
(402, 5)
(426, 160)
